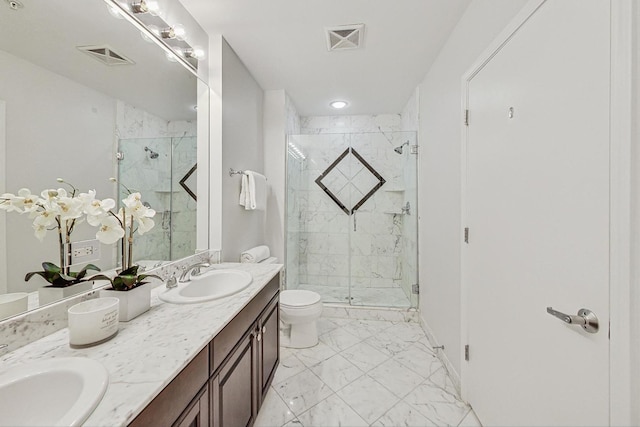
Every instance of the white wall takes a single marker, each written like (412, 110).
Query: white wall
(274, 125)
(635, 227)
(54, 128)
(242, 148)
(439, 185)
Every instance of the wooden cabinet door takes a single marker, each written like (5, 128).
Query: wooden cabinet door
(234, 393)
(269, 346)
(197, 414)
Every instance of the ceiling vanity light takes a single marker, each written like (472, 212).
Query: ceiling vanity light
(171, 37)
(144, 6)
(338, 105)
(193, 53)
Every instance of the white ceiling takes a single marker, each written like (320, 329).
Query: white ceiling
(47, 33)
(282, 43)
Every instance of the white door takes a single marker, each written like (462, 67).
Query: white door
(537, 207)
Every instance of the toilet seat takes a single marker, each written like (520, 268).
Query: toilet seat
(297, 298)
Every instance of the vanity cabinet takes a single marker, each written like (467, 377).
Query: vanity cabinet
(225, 384)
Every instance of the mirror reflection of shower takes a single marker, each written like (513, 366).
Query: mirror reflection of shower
(152, 154)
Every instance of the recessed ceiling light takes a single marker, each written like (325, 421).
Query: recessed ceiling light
(338, 104)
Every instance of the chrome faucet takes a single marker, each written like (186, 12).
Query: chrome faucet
(192, 270)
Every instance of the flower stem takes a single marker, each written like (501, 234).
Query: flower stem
(131, 242)
(61, 242)
(124, 227)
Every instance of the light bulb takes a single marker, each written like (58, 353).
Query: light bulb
(338, 105)
(179, 32)
(153, 7)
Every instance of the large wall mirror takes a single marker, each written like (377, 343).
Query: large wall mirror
(84, 96)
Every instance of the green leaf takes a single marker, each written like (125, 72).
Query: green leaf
(49, 266)
(131, 271)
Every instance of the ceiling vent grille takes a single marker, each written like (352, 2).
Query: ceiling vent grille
(106, 55)
(345, 37)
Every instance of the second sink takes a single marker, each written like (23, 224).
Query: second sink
(208, 286)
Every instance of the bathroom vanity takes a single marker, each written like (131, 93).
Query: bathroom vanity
(226, 382)
(205, 364)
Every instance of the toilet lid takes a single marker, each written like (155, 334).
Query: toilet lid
(298, 298)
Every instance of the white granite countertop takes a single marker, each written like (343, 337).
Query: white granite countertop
(149, 351)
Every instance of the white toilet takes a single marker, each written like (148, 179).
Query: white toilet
(300, 309)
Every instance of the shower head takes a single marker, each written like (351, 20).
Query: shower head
(399, 149)
(152, 154)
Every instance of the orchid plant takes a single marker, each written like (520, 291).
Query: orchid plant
(133, 217)
(54, 209)
(62, 210)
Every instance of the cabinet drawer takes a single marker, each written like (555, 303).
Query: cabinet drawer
(226, 339)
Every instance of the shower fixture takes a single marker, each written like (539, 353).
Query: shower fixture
(152, 154)
(399, 149)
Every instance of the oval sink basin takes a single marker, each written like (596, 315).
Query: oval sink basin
(54, 392)
(208, 286)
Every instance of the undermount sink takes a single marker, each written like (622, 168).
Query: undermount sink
(53, 392)
(208, 286)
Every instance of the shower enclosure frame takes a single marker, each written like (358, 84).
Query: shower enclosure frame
(413, 296)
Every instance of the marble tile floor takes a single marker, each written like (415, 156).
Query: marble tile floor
(370, 297)
(363, 373)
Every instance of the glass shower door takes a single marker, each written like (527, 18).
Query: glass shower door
(317, 225)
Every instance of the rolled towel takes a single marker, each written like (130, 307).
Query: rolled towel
(256, 254)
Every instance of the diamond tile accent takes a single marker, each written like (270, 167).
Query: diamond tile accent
(361, 178)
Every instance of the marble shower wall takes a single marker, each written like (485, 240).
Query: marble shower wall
(158, 178)
(330, 253)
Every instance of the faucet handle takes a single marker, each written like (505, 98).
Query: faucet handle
(172, 282)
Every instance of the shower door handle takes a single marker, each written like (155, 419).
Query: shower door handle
(355, 228)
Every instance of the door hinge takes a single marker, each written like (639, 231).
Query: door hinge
(466, 117)
(466, 234)
(414, 149)
(466, 352)
(415, 289)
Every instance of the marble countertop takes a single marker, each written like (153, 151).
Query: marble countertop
(149, 351)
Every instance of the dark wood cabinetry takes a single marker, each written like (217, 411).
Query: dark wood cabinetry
(224, 386)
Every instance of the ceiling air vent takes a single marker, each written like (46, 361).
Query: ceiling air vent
(345, 37)
(105, 54)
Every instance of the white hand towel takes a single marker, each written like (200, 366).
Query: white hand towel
(244, 192)
(256, 198)
(256, 254)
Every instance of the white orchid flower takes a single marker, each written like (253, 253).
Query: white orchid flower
(48, 219)
(28, 201)
(69, 208)
(110, 230)
(51, 194)
(137, 209)
(100, 207)
(144, 225)
(40, 225)
(11, 203)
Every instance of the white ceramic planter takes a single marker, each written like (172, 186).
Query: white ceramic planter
(132, 303)
(49, 294)
(13, 303)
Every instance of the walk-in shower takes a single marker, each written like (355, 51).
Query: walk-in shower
(162, 169)
(351, 217)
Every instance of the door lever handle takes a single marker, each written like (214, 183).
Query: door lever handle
(585, 318)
